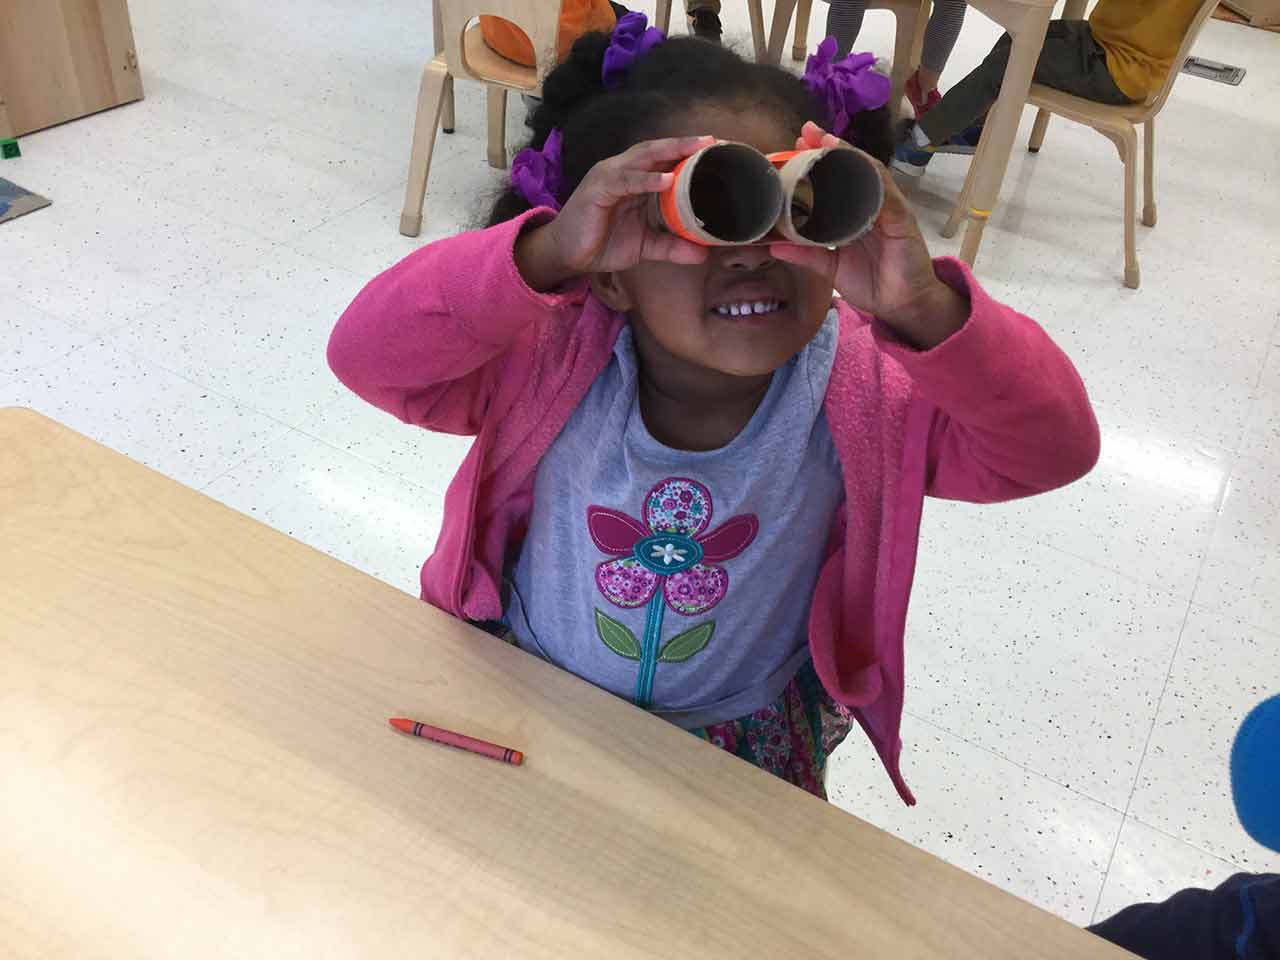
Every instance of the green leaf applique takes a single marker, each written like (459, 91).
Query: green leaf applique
(684, 645)
(617, 637)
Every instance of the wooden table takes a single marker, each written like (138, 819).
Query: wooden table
(195, 762)
(1027, 21)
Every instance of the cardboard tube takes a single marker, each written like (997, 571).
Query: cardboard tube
(725, 194)
(832, 195)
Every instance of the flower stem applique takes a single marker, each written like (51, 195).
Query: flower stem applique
(667, 560)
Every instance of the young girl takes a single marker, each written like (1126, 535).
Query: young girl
(697, 478)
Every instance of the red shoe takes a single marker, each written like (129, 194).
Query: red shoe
(919, 103)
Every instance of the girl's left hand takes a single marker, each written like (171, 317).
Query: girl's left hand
(887, 273)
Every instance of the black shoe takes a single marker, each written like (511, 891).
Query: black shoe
(705, 25)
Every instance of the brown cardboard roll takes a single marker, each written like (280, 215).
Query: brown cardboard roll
(832, 195)
(725, 194)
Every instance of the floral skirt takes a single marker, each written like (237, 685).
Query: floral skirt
(792, 737)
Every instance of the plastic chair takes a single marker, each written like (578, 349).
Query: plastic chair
(465, 54)
(1120, 126)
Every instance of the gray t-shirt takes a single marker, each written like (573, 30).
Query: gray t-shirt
(681, 580)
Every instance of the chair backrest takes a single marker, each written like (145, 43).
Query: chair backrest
(539, 19)
(1154, 104)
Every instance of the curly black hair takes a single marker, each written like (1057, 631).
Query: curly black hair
(597, 124)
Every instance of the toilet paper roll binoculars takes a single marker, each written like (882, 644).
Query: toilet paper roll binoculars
(732, 194)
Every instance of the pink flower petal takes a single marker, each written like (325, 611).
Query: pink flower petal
(678, 505)
(729, 540)
(614, 532)
(625, 582)
(696, 590)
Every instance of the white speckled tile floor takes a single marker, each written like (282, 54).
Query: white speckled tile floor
(1077, 663)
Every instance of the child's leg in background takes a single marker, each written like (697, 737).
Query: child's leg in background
(1071, 60)
(844, 20)
(700, 6)
(939, 40)
(704, 18)
(792, 737)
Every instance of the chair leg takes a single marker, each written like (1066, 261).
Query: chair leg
(759, 42)
(800, 47)
(957, 215)
(446, 113)
(1128, 144)
(776, 39)
(1038, 131)
(1149, 173)
(662, 16)
(903, 40)
(497, 102)
(435, 78)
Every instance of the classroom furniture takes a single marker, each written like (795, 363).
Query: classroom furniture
(1027, 22)
(462, 52)
(1120, 126)
(1257, 13)
(197, 763)
(63, 59)
(804, 9)
(800, 45)
(769, 45)
(755, 10)
(909, 15)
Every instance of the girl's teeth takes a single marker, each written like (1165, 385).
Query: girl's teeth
(748, 309)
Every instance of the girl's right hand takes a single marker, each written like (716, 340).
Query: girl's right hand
(604, 225)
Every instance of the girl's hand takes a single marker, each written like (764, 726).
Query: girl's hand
(604, 225)
(887, 273)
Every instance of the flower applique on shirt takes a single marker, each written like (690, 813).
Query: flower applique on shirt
(666, 560)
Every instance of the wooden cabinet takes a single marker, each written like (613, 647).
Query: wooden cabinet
(62, 59)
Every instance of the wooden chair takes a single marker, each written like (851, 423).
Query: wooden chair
(755, 8)
(465, 54)
(1120, 126)
(910, 17)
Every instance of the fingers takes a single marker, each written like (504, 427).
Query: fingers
(660, 154)
(810, 136)
(615, 184)
(641, 169)
(670, 248)
(813, 137)
(896, 217)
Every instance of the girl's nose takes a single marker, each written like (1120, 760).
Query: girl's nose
(745, 259)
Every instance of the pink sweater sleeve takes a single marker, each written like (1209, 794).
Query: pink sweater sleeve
(430, 339)
(1012, 414)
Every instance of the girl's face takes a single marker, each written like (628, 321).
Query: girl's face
(689, 310)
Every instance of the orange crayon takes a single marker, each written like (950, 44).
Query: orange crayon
(449, 738)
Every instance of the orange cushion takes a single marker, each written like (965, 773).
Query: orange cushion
(576, 18)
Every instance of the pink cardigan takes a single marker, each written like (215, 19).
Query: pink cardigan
(453, 340)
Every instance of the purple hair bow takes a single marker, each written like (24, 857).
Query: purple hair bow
(535, 174)
(846, 86)
(630, 41)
